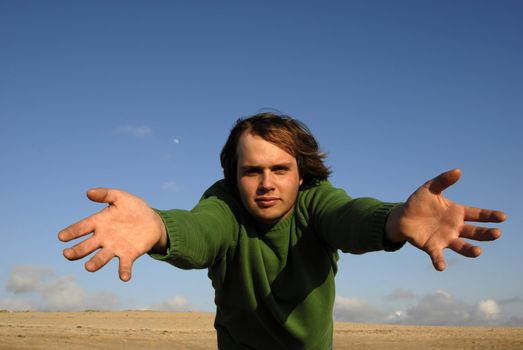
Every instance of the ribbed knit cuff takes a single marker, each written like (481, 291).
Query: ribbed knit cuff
(169, 223)
(379, 223)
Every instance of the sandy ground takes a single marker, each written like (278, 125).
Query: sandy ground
(192, 330)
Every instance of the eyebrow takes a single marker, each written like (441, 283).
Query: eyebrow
(287, 165)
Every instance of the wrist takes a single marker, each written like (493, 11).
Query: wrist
(393, 232)
(163, 241)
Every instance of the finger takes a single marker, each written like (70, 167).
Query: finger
(484, 215)
(82, 249)
(79, 229)
(465, 248)
(103, 195)
(444, 180)
(438, 260)
(125, 268)
(99, 260)
(480, 233)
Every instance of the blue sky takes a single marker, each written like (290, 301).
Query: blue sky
(141, 95)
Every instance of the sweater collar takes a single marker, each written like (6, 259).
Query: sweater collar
(266, 228)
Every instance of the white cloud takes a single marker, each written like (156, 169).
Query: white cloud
(26, 278)
(489, 310)
(176, 303)
(356, 310)
(39, 288)
(442, 308)
(439, 308)
(135, 131)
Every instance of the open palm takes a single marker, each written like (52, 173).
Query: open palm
(127, 229)
(431, 222)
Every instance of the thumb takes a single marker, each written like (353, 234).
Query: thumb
(103, 195)
(444, 180)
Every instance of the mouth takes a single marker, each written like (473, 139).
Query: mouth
(266, 202)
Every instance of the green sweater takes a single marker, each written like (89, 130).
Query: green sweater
(274, 285)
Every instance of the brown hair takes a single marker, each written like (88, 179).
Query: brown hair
(285, 132)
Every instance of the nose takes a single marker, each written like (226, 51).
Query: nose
(266, 181)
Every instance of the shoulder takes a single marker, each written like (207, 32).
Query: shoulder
(320, 198)
(220, 193)
(219, 188)
(323, 189)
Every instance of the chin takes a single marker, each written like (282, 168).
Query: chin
(267, 219)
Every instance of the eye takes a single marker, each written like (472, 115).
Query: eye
(280, 170)
(250, 171)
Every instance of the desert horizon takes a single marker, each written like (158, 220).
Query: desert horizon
(194, 330)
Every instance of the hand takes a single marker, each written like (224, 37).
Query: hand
(431, 222)
(127, 229)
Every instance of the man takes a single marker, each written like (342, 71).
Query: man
(269, 234)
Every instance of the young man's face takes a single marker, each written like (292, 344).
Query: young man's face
(267, 178)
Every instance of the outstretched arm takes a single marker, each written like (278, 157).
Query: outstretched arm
(127, 228)
(431, 222)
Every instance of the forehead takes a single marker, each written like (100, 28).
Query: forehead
(258, 151)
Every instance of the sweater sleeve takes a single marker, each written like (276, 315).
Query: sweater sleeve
(352, 225)
(203, 235)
